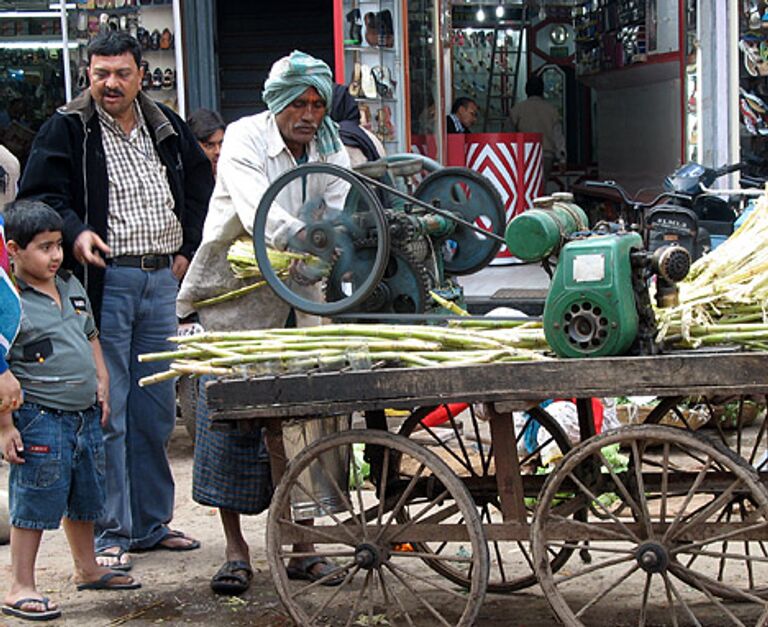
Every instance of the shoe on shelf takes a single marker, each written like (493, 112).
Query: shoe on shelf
(355, 28)
(157, 79)
(371, 29)
(142, 34)
(365, 116)
(386, 29)
(383, 79)
(169, 79)
(146, 79)
(385, 129)
(166, 40)
(154, 40)
(354, 84)
(367, 83)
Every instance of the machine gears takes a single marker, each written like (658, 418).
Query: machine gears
(403, 289)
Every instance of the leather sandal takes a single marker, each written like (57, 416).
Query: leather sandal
(354, 85)
(169, 79)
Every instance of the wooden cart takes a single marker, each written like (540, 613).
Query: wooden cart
(643, 525)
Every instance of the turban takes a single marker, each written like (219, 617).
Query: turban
(290, 77)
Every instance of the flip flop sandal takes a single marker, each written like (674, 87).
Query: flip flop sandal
(192, 544)
(232, 578)
(105, 583)
(15, 609)
(367, 83)
(112, 555)
(304, 571)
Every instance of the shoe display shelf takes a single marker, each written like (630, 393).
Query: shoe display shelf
(152, 22)
(373, 67)
(753, 85)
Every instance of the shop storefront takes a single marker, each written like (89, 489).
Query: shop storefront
(43, 56)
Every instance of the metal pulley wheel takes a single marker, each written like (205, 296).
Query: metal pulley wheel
(329, 234)
(473, 198)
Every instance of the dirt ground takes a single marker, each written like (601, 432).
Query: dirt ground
(175, 585)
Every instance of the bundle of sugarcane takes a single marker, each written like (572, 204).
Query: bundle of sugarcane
(242, 261)
(340, 347)
(724, 299)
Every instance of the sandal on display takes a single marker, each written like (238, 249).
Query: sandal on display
(354, 84)
(365, 116)
(367, 83)
(154, 40)
(146, 79)
(385, 129)
(142, 34)
(382, 77)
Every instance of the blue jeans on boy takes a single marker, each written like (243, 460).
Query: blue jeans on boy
(63, 469)
(138, 315)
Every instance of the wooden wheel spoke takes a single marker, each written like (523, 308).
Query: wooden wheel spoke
(435, 518)
(460, 441)
(646, 516)
(691, 492)
(705, 512)
(644, 604)
(422, 601)
(402, 500)
(707, 582)
(612, 585)
(713, 599)
(443, 445)
(358, 490)
(317, 530)
(350, 574)
(605, 534)
(383, 487)
(399, 572)
(670, 600)
(339, 492)
(485, 460)
(680, 599)
(388, 595)
(594, 499)
(664, 483)
(746, 558)
(594, 567)
(431, 556)
(596, 549)
(717, 538)
(747, 550)
(358, 599)
(622, 488)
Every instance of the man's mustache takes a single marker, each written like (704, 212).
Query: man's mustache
(303, 127)
(113, 92)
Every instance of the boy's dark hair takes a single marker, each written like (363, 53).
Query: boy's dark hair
(113, 44)
(24, 219)
(203, 123)
(461, 101)
(534, 86)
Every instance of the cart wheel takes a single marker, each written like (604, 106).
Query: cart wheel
(384, 580)
(675, 484)
(469, 452)
(738, 423)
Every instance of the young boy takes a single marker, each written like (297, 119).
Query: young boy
(54, 439)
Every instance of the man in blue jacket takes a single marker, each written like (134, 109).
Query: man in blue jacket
(10, 316)
(132, 185)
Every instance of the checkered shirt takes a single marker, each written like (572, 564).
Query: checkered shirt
(141, 219)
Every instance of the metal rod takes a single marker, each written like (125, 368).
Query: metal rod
(426, 205)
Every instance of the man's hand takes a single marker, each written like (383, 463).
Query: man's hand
(86, 246)
(180, 265)
(102, 399)
(11, 445)
(10, 391)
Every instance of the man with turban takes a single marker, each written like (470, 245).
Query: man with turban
(231, 470)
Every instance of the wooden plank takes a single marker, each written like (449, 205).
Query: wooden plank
(339, 392)
(508, 477)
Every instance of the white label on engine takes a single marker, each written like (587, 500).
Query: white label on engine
(588, 268)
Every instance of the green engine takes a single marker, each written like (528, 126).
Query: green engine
(590, 310)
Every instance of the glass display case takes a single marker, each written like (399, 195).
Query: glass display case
(373, 67)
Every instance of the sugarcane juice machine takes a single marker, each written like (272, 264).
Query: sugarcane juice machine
(598, 302)
(395, 241)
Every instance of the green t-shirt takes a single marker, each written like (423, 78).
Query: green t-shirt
(52, 356)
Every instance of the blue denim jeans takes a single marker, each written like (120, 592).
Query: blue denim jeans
(138, 315)
(63, 469)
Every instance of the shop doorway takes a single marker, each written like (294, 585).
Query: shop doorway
(252, 35)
